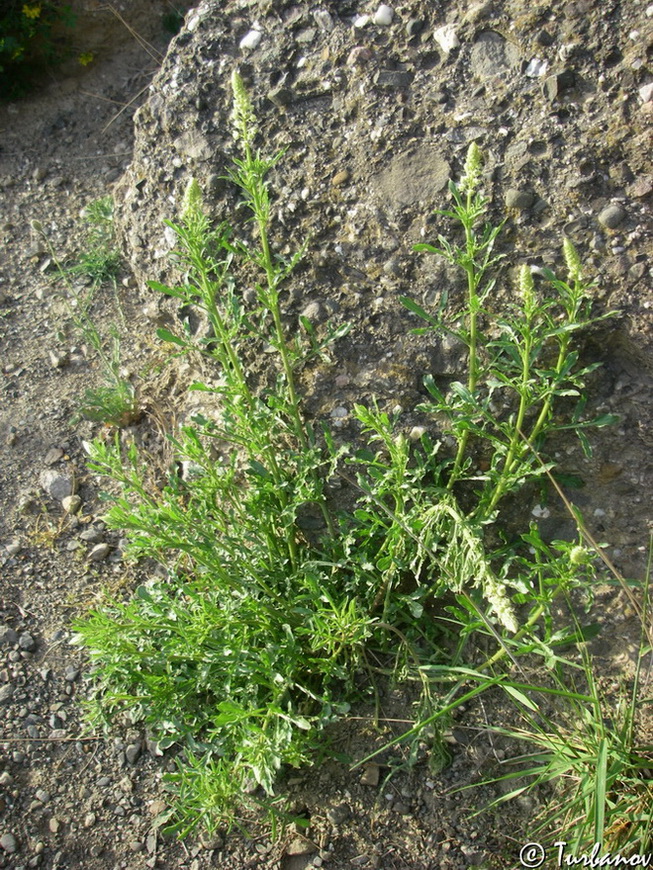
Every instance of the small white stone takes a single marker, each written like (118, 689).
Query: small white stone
(536, 68)
(250, 40)
(361, 22)
(649, 11)
(384, 15)
(446, 37)
(646, 92)
(416, 433)
(541, 512)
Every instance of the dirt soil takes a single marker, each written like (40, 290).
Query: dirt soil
(376, 116)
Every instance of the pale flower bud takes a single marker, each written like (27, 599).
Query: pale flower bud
(192, 201)
(243, 114)
(472, 173)
(527, 288)
(572, 260)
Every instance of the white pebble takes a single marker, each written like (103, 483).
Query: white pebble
(646, 92)
(541, 512)
(361, 22)
(384, 15)
(649, 11)
(250, 40)
(536, 68)
(446, 37)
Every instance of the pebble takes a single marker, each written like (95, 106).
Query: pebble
(359, 55)
(555, 84)
(646, 92)
(384, 15)
(91, 536)
(446, 37)
(71, 674)
(340, 178)
(42, 796)
(8, 636)
(251, 40)
(71, 504)
(133, 752)
(519, 199)
(361, 21)
(313, 312)
(612, 216)
(14, 548)
(58, 359)
(338, 814)
(53, 456)
(27, 642)
(393, 79)
(414, 26)
(371, 774)
(99, 552)
(56, 484)
(89, 820)
(537, 68)
(300, 846)
(8, 843)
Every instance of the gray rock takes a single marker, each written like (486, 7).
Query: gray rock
(53, 456)
(556, 84)
(8, 636)
(393, 79)
(519, 199)
(6, 693)
(99, 552)
(612, 216)
(338, 814)
(371, 774)
(412, 177)
(91, 536)
(313, 312)
(71, 674)
(56, 484)
(492, 56)
(27, 642)
(133, 752)
(9, 843)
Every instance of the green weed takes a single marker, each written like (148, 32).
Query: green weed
(273, 599)
(114, 402)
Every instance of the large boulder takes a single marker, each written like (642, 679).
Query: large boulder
(376, 116)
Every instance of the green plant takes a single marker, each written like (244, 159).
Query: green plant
(99, 260)
(273, 599)
(30, 38)
(114, 402)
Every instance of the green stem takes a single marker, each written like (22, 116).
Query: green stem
(473, 278)
(515, 450)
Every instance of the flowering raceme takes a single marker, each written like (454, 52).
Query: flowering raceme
(31, 11)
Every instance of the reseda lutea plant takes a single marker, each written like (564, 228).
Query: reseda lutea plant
(253, 641)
